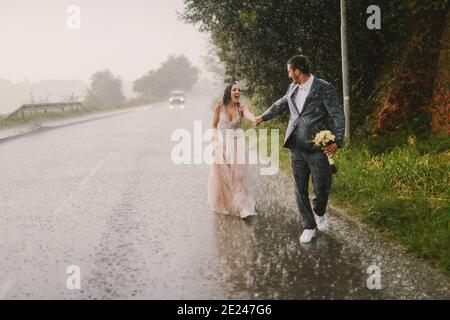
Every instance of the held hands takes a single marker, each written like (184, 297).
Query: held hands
(258, 120)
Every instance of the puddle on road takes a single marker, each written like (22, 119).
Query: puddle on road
(262, 258)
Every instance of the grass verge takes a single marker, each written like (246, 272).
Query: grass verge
(401, 186)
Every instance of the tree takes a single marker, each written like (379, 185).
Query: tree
(105, 90)
(144, 84)
(214, 66)
(255, 38)
(175, 73)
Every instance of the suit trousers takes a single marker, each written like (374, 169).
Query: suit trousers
(304, 165)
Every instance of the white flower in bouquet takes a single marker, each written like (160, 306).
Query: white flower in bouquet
(323, 139)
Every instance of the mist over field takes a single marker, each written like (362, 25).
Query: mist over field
(44, 60)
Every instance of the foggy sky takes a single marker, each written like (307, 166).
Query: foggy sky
(129, 37)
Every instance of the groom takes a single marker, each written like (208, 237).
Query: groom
(311, 102)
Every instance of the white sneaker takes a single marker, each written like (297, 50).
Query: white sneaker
(247, 213)
(322, 224)
(307, 235)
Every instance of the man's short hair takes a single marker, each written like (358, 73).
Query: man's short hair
(301, 63)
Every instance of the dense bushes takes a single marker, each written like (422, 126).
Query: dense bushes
(255, 38)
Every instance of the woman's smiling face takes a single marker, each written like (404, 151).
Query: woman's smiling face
(235, 93)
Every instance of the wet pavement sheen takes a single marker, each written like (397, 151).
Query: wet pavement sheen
(105, 196)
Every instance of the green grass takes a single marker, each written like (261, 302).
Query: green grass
(401, 186)
(37, 118)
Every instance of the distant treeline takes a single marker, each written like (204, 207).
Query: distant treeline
(175, 73)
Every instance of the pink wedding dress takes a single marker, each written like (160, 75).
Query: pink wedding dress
(228, 190)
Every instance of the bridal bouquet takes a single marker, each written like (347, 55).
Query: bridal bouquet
(323, 139)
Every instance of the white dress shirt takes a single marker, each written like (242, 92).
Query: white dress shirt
(303, 92)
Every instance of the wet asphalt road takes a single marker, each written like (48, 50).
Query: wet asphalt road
(105, 196)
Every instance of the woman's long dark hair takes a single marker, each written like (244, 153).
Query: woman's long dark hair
(227, 94)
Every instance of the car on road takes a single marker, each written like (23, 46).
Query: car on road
(177, 97)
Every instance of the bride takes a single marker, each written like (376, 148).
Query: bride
(228, 190)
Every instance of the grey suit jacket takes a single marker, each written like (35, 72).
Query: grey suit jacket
(321, 103)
